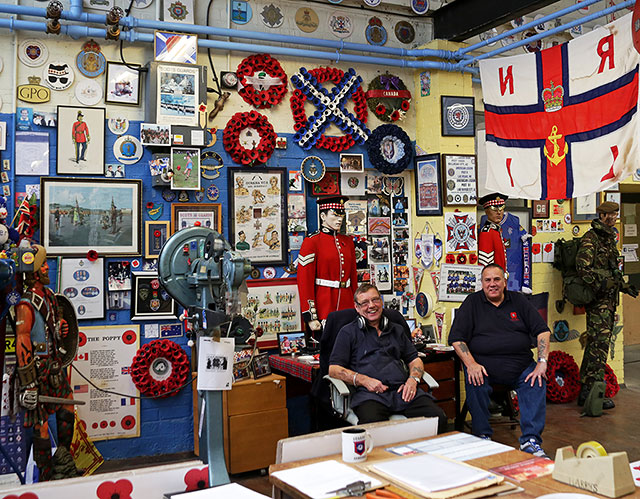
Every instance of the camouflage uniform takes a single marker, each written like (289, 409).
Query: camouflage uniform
(597, 264)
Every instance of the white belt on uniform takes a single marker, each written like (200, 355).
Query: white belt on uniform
(333, 284)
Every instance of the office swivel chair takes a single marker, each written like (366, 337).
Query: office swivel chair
(335, 391)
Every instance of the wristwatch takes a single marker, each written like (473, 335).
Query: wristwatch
(416, 379)
(542, 359)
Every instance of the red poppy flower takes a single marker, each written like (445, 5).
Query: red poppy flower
(405, 105)
(115, 490)
(395, 116)
(92, 255)
(450, 258)
(149, 205)
(27, 495)
(128, 422)
(197, 479)
(157, 233)
(380, 109)
(129, 336)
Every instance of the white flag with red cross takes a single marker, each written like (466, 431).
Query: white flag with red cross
(562, 123)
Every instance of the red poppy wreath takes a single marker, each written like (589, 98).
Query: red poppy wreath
(159, 368)
(249, 138)
(354, 129)
(263, 82)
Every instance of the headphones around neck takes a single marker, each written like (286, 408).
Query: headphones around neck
(362, 322)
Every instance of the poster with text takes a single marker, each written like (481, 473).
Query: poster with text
(104, 356)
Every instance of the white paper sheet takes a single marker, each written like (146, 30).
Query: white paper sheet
(215, 364)
(630, 230)
(32, 153)
(461, 447)
(430, 473)
(630, 253)
(319, 480)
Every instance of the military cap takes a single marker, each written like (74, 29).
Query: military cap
(495, 199)
(332, 203)
(40, 256)
(608, 207)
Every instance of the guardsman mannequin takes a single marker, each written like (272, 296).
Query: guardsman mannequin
(39, 329)
(490, 244)
(327, 276)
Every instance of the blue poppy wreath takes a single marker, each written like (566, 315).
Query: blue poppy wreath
(390, 150)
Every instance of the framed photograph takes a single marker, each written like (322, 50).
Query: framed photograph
(428, 183)
(123, 84)
(459, 281)
(150, 301)
(80, 141)
(241, 370)
(119, 276)
(82, 282)
(351, 163)
(457, 116)
(460, 179)
(615, 197)
(260, 365)
(3, 135)
(156, 233)
(169, 46)
(155, 135)
(290, 343)
(257, 214)
(275, 304)
(78, 215)
(540, 208)
(177, 92)
(583, 208)
(185, 162)
(429, 333)
(185, 215)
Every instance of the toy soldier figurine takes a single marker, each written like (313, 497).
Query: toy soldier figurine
(46, 345)
(327, 276)
(597, 263)
(490, 244)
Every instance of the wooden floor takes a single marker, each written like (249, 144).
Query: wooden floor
(616, 430)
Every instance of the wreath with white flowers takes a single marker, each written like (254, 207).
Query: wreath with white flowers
(249, 138)
(388, 98)
(262, 81)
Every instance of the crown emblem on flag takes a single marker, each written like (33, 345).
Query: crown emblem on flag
(552, 97)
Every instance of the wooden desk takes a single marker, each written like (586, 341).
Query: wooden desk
(533, 488)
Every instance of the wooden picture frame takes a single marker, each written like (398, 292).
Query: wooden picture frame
(78, 215)
(258, 214)
(80, 140)
(123, 84)
(260, 365)
(149, 300)
(156, 233)
(262, 296)
(583, 209)
(457, 116)
(540, 208)
(428, 185)
(460, 177)
(291, 343)
(185, 215)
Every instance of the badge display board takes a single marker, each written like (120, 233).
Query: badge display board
(460, 174)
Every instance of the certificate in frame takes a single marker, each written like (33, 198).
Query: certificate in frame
(460, 173)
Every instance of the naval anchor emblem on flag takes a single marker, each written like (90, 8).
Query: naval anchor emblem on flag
(562, 123)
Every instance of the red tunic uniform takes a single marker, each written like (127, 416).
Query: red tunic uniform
(491, 246)
(326, 273)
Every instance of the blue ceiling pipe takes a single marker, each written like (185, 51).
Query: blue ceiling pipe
(461, 53)
(553, 31)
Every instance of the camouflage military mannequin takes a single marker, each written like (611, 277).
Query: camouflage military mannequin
(597, 264)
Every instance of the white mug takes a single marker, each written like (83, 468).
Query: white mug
(356, 444)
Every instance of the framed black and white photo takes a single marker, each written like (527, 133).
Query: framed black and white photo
(78, 215)
(428, 183)
(150, 301)
(457, 116)
(257, 214)
(123, 84)
(80, 141)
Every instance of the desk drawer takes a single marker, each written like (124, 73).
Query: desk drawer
(441, 370)
(446, 390)
(256, 395)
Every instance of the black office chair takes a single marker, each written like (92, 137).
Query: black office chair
(335, 391)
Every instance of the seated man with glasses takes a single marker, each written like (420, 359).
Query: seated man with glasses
(373, 354)
(490, 243)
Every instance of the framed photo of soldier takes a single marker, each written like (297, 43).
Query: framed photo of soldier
(80, 143)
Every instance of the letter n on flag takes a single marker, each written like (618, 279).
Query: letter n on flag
(563, 122)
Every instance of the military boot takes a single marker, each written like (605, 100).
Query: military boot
(582, 396)
(42, 457)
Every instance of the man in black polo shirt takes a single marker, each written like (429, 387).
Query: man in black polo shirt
(493, 334)
(369, 354)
